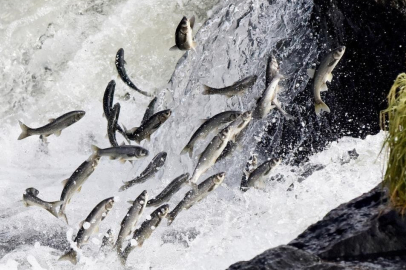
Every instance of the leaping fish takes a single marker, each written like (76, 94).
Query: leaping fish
(236, 88)
(89, 226)
(184, 35)
(123, 74)
(54, 127)
(323, 75)
(30, 198)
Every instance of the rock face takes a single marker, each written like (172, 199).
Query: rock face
(362, 234)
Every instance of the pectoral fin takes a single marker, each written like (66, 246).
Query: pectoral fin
(329, 77)
(65, 181)
(192, 21)
(79, 189)
(323, 87)
(51, 120)
(58, 133)
(174, 48)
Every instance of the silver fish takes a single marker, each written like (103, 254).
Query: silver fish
(138, 134)
(30, 199)
(256, 176)
(149, 111)
(195, 195)
(169, 191)
(238, 125)
(75, 182)
(112, 124)
(209, 156)
(122, 153)
(236, 88)
(123, 74)
(323, 75)
(264, 104)
(108, 98)
(54, 127)
(184, 35)
(144, 231)
(89, 226)
(209, 125)
(131, 218)
(153, 167)
(272, 69)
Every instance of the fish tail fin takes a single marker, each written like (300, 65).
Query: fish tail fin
(24, 131)
(124, 187)
(95, 150)
(71, 256)
(206, 90)
(54, 206)
(188, 149)
(123, 256)
(61, 213)
(194, 45)
(320, 106)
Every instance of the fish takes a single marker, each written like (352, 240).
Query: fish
(122, 153)
(153, 167)
(112, 124)
(55, 126)
(250, 166)
(169, 191)
(228, 150)
(75, 182)
(108, 98)
(256, 176)
(236, 88)
(323, 75)
(149, 111)
(209, 156)
(184, 35)
(138, 134)
(238, 125)
(89, 226)
(30, 198)
(195, 195)
(123, 74)
(144, 231)
(272, 69)
(131, 218)
(264, 104)
(209, 125)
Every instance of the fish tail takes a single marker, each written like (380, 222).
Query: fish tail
(95, 150)
(123, 256)
(71, 256)
(61, 213)
(24, 131)
(206, 90)
(320, 106)
(124, 187)
(54, 206)
(188, 149)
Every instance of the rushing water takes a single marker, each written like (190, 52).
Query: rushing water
(57, 56)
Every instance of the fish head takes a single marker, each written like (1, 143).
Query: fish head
(109, 204)
(116, 107)
(218, 179)
(95, 160)
(234, 116)
(164, 115)
(274, 162)
(143, 152)
(225, 133)
(246, 116)
(184, 22)
(79, 115)
(254, 160)
(338, 52)
(162, 156)
(143, 197)
(163, 210)
(32, 191)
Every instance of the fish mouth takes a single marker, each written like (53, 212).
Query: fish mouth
(79, 115)
(109, 204)
(164, 210)
(144, 152)
(219, 178)
(247, 115)
(338, 52)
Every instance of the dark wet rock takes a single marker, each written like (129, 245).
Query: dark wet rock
(285, 258)
(363, 228)
(364, 233)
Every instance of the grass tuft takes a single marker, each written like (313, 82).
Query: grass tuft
(393, 120)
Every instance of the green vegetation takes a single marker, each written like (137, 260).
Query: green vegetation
(393, 120)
